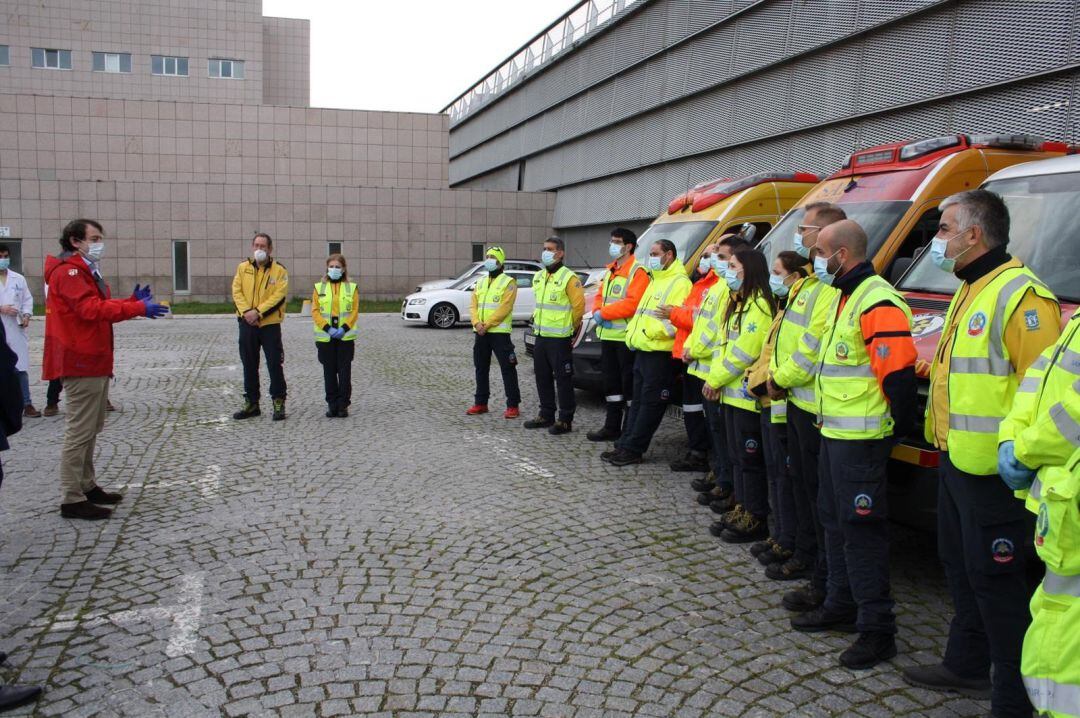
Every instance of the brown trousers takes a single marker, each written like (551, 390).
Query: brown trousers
(87, 401)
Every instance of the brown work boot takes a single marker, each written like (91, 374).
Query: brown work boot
(84, 510)
(51, 410)
(30, 411)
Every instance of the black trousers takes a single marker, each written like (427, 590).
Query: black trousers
(781, 490)
(617, 365)
(719, 459)
(502, 346)
(652, 393)
(693, 407)
(554, 368)
(52, 394)
(267, 338)
(747, 457)
(336, 357)
(982, 532)
(804, 441)
(854, 509)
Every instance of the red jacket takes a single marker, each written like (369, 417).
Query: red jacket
(682, 318)
(78, 320)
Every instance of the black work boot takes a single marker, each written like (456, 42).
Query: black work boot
(692, 461)
(790, 570)
(776, 554)
(804, 599)
(539, 422)
(820, 620)
(250, 409)
(868, 650)
(704, 484)
(279, 409)
(722, 499)
(761, 547)
(940, 678)
(622, 457)
(561, 427)
(84, 510)
(604, 433)
(749, 528)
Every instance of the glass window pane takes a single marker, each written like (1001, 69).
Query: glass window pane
(157, 64)
(214, 69)
(181, 280)
(181, 66)
(478, 253)
(333, 248)
(37, 56)
(52, 59)
(99, 62)
(65, 60)
(170, 65)
(238, 70)
(5, 59)
(226, 68)
(112, 63)
(125, 62)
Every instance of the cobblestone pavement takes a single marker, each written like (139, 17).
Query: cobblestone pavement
(407, 561)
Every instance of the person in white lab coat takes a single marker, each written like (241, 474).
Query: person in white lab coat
(16, 308)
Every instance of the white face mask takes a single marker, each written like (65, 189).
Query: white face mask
(615, 250)
(335, 273)
(704, 265)
(96, 250)
(719, 265)
(5, 263)
(260, 255)
(776, 283)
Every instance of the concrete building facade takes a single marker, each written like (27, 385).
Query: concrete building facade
(620, 105)
(184, 161)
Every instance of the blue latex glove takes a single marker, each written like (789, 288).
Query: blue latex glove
(1015, 475)
(337, 333)
(604, 323)
(153, 310)
(142, 293)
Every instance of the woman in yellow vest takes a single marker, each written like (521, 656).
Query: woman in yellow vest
(746, 322)
(334, 310)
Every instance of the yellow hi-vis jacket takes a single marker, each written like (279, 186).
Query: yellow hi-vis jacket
(335, 304)
(744, 331)
(262, 288)
(645, 332)
(706, 334)
(798, 341)
(493, 303)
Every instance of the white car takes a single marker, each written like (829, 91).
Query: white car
(475, 269)
(445, 307)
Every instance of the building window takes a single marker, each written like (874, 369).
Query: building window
(47, 59)
(5, 57)
(112, 62)
(478, 253)
(166, 65)
(227, 69)
(333, 248)
(181, 267)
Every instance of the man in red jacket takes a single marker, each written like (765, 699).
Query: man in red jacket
(79, 315)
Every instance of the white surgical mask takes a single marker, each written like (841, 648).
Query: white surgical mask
(704, 265)
(615, 250)
(821, 269)
(547, 258)
(801, 248)
(719, 265)
(335, 273)
(938, 246)
(491, 264)
(260, 255)
(731, 276)
(96, 250)
(5, 263)
(776, 284)
(654, 263)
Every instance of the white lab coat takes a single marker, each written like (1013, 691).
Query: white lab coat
(15, 292)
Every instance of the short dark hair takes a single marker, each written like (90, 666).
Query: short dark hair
(734, 242)
(666, 245)
(984, 209)
(626, 235)
(558, 242)
(75, 231)
(4, 249)
(269, 239)
(827, 212)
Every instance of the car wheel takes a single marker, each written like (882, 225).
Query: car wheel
(443, 316)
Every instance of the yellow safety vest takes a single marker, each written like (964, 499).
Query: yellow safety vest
(706, 336)
(850, 402)
(745, 332)
(489, 296)
(346, 297)
(647, 333)
(1050, 662)
(615, 290)
(981, 379)
(553, 316)
(798, 341)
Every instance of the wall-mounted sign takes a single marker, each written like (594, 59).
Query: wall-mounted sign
(5, 231)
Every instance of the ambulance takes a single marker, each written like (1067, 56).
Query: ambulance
(693, 220)
(1044, 208)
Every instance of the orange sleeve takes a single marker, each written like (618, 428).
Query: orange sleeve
(683, 317)
(887, 333)
(625, 307)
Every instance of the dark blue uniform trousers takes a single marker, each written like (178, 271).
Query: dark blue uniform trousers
(781, 490)
(804, 441)
(653, 379)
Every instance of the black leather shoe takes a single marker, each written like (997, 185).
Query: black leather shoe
(624, 458)
(704, 499)
(331, 413)
(690, 462)
(940, 678)
(603, 434)
(717, 528)
(538, 423)
(820, 620)
(761, 547)
(804, 599)
(84, 510)
(868, 650)
(606, 455)
(98, 495)
(560, 427)
(343, 413)
(11, 696)
(247, 412)
(703, 484)
(791, 570)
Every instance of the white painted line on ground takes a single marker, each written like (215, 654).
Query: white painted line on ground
(520, 464)
(210, 483)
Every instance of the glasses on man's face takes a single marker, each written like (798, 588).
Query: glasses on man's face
(804, 228)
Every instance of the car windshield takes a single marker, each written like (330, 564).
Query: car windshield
(1044, 213)
(877, 218)
(686, 236)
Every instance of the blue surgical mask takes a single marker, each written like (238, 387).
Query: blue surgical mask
(491, 264)
(776, 284)
(96, 250)
(335, 273)
(801, 248)
(731, 276)
(654, 263)
(615, 250)
(704, 265)
(547, 258)
(5, 263)
(938, 247)
(719, 265)
(821, 269)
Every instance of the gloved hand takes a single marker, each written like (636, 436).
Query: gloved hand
(152, 310)
(604, 323)
(142, 293)
(1015, 475)
(337, 333)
